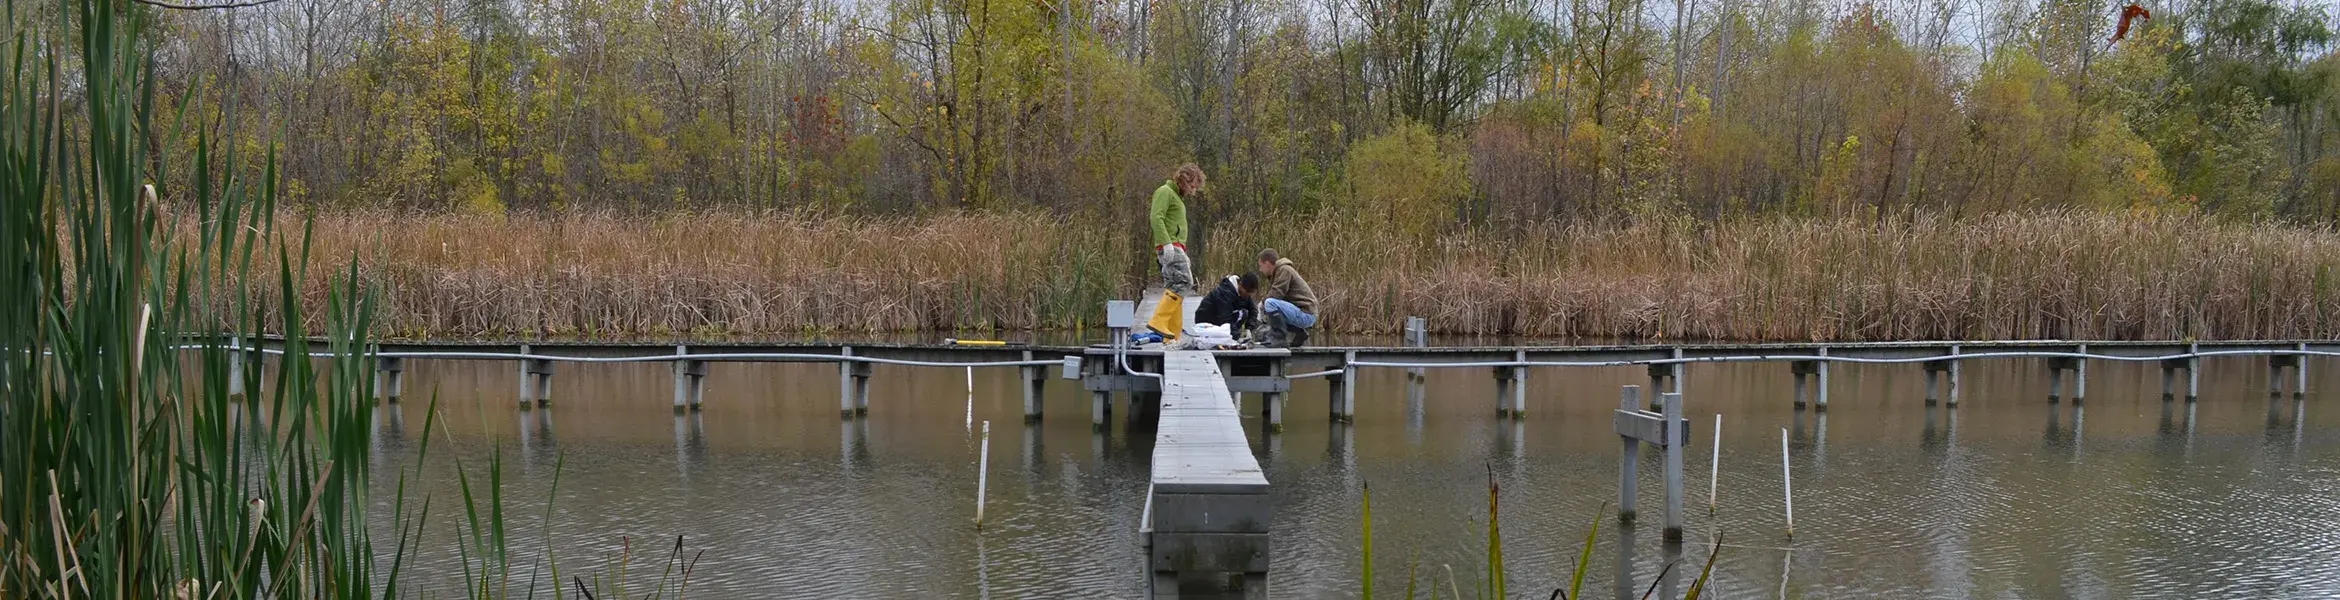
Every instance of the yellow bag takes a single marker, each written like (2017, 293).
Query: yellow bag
(1169, 316)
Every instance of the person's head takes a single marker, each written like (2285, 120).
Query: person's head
(1247, 284)
(1267, 262)
(1189, 180)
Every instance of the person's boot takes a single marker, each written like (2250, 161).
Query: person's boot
(1299, 337)
(1272, 333)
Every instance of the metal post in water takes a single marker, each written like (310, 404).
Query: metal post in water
(2299, 369)
(1630, 460)
(2193, 372)
(2274, 377)
(1274, 401)
(1954, 371)
(1714, 469)
(527, 381)
(1035, 388)
(1787, 485)
(845, 384)
(1799, 375)
(1675, 438)
(983, 475)
(2080, 377)
(1519, 385)
(1933, 378)
(2168, 382)
(2055, 381)
(970, 397)
(1820, 392)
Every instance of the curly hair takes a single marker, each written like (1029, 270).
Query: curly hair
(1189, 179)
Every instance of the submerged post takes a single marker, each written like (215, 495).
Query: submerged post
(1801, 370)
(1273, 400)
(535, 379)
(1519, 385)
(983, 475)
(852, 385)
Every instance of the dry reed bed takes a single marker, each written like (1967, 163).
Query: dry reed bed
(2015, 276)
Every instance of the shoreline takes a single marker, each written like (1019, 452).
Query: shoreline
(743, 275)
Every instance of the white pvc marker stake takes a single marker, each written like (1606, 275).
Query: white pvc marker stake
(1787, 485)
(983, 475)
(971, 398)
(1714, 470)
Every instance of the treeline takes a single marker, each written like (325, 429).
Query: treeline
(1422, 113)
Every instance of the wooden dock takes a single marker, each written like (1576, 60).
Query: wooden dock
(1207, 510)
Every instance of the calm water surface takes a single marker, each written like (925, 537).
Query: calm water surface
(2006, 496)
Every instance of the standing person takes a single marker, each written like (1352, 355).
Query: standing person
(1290, 308)
(1168, 216)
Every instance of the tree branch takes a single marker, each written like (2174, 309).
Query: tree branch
(162, 4)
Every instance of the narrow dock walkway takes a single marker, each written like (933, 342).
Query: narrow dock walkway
(1208, 510)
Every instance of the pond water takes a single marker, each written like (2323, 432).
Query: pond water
(2006, 496)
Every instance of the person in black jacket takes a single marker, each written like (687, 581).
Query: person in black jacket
(1230, 304)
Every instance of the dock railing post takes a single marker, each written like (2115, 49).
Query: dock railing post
(1627, 481)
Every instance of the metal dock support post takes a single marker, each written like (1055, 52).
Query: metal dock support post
(2169, 379)
(1820, 397)
(1349, 382)
(535, 380)
(243, 358)
(1511, 388)
(1665, 429)
(1677, 436)
(1934, 372)
(2299, 369)
(690, 382)
(2193, 373)
(389, 379)
(1628, 481)
(1802, 370)
(2275, 365)
(1272, 402)
(1954, 380)
(2055, 379)
(1519, 376)
(2080, 378)
(1035, 387)
(852, 386)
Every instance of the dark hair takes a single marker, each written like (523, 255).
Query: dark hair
(1248, 282)
(1268, 256)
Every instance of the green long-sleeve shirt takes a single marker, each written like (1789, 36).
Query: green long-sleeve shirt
(1168, 216)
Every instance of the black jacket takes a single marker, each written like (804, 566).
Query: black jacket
(1226, 306)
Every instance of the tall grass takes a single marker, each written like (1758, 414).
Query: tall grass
(126, 468)
(124, 471)
(2071, 275)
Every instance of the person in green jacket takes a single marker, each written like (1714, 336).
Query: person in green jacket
(1168, 217)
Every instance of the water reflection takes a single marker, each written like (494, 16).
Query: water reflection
(690, 441)
(1971, 505)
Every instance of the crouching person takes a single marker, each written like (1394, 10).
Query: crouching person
(1230, 306)
(1289, 310)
